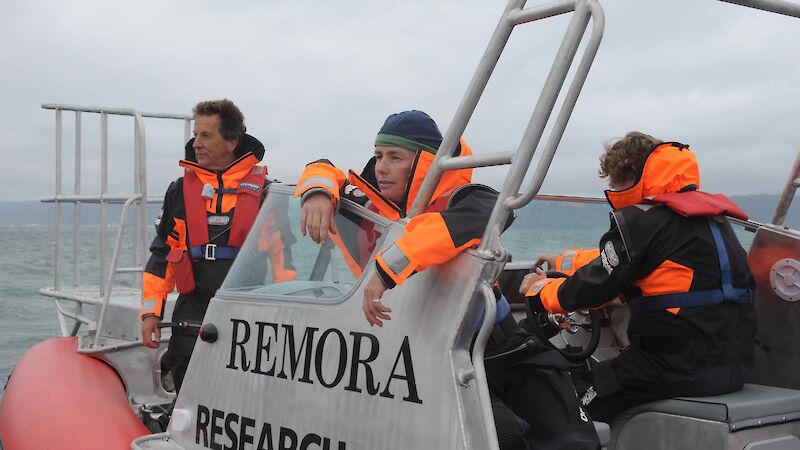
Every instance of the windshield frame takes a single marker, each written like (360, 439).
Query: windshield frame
(381, 225)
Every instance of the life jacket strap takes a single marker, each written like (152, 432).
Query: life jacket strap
(727, 293)
(212, 252)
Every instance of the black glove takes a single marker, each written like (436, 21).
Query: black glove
(535, 304)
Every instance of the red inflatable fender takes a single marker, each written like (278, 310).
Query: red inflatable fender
(58, 398)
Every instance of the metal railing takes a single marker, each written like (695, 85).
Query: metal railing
(138, 198)
(510, 196)
(515, 14)
(775, 6)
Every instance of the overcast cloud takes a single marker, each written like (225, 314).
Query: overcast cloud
(316, 79)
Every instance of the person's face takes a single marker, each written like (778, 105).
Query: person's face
(213, 152)
(392, 168)
(620, 185)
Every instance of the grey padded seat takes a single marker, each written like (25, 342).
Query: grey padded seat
(754, 405)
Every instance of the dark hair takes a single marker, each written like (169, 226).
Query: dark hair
(624, 158)
(231, 125)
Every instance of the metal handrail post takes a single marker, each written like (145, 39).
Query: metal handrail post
(187, 130)
(141, 217)
(788, 193)
(467, 106)
(103, 203)
(136, 191)
(114, 260)
(57, 281)
(76, 280)
(538, 121)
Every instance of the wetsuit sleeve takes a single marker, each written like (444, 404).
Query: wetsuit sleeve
(571, 260)
(321, 176)
(157, 278)
(434, 238)
(598, 282)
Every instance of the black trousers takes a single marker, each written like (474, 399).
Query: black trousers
(533, 399)
(192, 308)
(639, 376)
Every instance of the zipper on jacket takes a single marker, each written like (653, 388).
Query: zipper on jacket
(220, 193)
(411, 174)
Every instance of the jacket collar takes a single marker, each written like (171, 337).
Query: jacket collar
(249, 144)
(235, 171)
(367, 183)
(670, 167)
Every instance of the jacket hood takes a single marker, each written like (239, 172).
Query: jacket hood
(670, 167)
(367, 182)
(249, 144)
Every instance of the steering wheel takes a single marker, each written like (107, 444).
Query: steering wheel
(545, 326)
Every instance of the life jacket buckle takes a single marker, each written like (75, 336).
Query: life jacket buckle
(210, 252)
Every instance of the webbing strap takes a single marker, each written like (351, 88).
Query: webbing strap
(724, 262)
(212, 252)
(727, 293)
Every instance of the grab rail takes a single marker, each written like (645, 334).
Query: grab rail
(520, 159)
(489, 312)
(114, 271)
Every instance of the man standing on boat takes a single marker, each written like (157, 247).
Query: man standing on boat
(453, 221)
(674, 258)
(205, 218)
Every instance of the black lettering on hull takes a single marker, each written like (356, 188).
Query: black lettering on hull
(277, 353)
(240, 438)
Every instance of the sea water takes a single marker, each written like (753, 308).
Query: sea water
(27, 265)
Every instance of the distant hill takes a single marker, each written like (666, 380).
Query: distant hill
(550, 215)
(37, 213)
(539, 214)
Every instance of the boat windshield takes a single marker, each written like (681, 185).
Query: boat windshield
(276, 260)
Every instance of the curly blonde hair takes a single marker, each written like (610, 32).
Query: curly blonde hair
(624, 158)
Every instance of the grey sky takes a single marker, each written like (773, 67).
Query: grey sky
(316, 79)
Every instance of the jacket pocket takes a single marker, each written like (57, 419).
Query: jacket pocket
(182, 270)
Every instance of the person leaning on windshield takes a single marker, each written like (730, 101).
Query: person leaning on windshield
(676, 261)
(454, 220)
(205, 217)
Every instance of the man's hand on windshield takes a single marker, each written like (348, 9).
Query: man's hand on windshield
(530, 279)
(374, 310)
(317, 218)
(548, 258)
